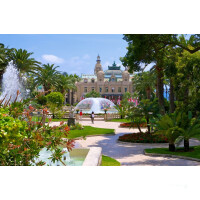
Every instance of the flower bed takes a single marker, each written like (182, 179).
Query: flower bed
(143, 138)
(133, 125)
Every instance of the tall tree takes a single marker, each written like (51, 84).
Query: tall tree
(144, 84)
(48, 77)
(153, 49)
(148, 49)
(4, 52)
(187, 82)
(23, 61)
(67, 82)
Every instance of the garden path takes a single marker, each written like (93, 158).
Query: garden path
(130, 153)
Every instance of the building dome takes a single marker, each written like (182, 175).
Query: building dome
(100, 73)
(98, 66)
(96, 105)
(125, 72)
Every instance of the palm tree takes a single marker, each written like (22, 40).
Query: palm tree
(66, 82)
(73, 79)
(48, 77)
(25, 64)
(170, 126)
(145, 83)
(192, 130)
(4, 52)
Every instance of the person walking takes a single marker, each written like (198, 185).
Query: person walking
(81, 113)
(92, 117)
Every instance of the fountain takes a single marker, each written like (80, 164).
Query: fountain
(77, 157)
(11, 83)
(97, 105)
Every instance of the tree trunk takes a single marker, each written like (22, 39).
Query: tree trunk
(172, 105)
(148, 125)
(160, 77)
(68, 96)
(138, 125)
(148, 91)
(72, 101)
(172, 147)
(186, 145)
(186, 95)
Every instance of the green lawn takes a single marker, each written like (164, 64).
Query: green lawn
(108, 161)
(119, 120)
(88, 130)
(192, 154)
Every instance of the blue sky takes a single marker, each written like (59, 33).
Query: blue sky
(74, 53)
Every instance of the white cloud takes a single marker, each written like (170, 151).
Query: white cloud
(86, 57)
(78, 64)
(52, 59)
(106, 64)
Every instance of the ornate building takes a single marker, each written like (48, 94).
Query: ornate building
(111, 83)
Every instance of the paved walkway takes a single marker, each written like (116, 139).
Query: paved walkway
(129, 153)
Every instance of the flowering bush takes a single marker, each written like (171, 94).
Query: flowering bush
(21, 139)
(143, 138)
(131, 124)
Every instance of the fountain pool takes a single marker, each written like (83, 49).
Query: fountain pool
(76, 157)
(97, 105)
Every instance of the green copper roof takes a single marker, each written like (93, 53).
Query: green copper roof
(114, 67)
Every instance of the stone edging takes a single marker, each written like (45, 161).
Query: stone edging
(94, 157)
(131, 127)
(78, 138)
(118, 141)
(172, 156)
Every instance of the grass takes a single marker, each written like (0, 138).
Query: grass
(108, 161)
(119, 120)
(35, 119)
(192, 154)
(88, 130)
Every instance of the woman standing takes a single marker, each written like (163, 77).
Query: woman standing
(81, 113)
(92, 117)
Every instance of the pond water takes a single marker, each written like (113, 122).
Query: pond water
(66, 159)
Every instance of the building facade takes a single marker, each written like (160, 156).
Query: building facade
(111, 83)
